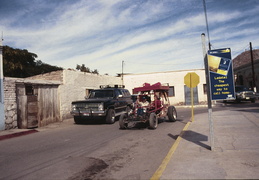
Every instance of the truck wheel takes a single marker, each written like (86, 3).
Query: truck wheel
(122, 121)
(153, 121)
(172, 114)
(77, 120)
(128, 109)
(110, 118)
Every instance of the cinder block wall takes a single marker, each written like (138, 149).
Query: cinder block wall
(174, 78)
(75, 86)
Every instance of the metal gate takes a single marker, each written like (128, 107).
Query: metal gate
(187, 94)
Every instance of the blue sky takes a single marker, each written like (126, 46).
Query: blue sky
(148, 35)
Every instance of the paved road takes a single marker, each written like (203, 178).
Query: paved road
(91, 151)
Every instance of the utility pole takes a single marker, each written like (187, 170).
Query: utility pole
(211, 126)
(2, 114)
(122, 73)
(207, 24)
(253, 71)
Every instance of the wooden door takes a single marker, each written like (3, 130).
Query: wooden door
(32, 111)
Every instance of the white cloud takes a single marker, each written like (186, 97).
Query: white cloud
(101, 34)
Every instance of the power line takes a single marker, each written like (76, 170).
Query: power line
(239, 51)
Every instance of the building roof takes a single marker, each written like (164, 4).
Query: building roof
(33, 81)
(245, 58)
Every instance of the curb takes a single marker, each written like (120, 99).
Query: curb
(17, 134)
(169, 155)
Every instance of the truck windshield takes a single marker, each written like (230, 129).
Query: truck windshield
(101, 94)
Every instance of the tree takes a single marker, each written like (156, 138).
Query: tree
(83, 68)
(78, 67)
(22, 63)
(95, 71)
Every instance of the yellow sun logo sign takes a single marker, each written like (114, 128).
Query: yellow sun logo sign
(225, 50)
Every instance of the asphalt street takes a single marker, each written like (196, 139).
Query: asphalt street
(98, 151)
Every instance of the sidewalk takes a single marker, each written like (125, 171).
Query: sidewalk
(236, 148)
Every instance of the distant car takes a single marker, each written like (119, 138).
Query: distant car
(105, 103)
(244, 94)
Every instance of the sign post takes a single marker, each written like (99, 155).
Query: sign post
(191, 80)
(219, 77)
(221, 74)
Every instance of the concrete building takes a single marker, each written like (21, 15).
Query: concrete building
(179, 93)
(242, 66)
(75, 86)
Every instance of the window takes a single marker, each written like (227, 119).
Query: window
(125, 92)
(117, 92)
(29, 89)
(205, 88)
(171, 92)
(87, 92)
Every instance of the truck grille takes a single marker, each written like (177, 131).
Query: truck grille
(88, 107)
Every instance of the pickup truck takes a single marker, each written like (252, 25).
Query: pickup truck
(105, 103)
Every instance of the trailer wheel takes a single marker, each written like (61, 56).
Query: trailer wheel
(153, 121)
(122, 121)
(172, 114)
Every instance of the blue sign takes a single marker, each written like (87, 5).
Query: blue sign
(221, 74)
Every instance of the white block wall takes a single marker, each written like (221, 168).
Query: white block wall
(75, 84)
(174, 78)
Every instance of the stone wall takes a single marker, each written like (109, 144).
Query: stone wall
(10, 105)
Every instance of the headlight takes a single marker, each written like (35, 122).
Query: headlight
(100, 107)
(73, 107)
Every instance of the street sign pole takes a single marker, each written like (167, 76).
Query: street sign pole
(211, 127)
(192, 105)
(191, 85)
(191, 80)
